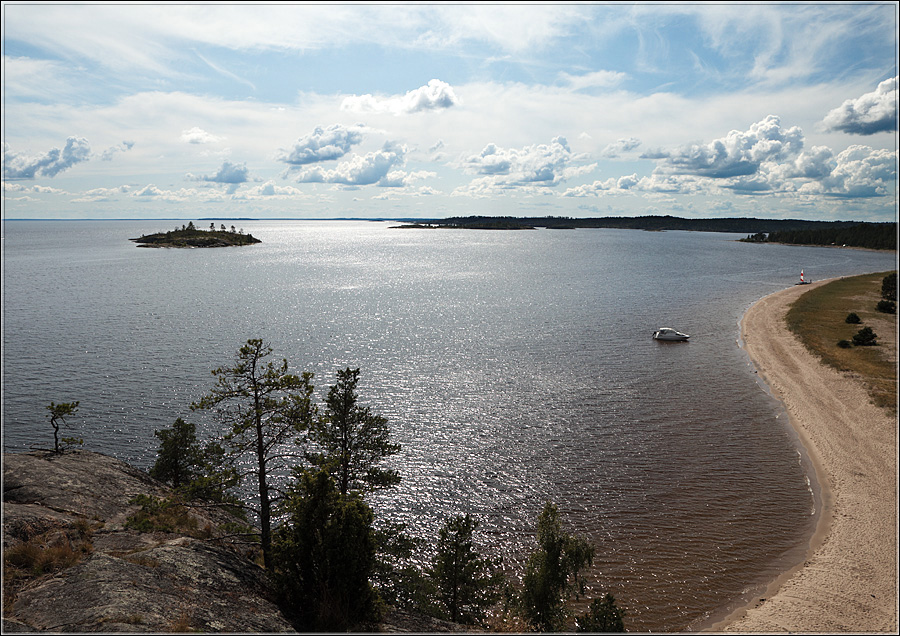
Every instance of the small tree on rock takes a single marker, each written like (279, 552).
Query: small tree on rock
(58, 415)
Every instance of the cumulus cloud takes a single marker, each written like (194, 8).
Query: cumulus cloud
(622, 145)
(111, 152)
(537, 165)
(229, 173)
(359, 170)
(858, 172)
(197, 135)
(153, 193)
(739, 153)
(97, 195)
(269, 190)
(323, 144)
(655, 184)
(872, 113)
(49, 164)
(436, 95)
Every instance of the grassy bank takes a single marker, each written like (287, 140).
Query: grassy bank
(819, 316)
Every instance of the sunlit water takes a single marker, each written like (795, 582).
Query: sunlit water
(514, 368)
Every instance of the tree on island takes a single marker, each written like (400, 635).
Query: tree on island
(266, 411)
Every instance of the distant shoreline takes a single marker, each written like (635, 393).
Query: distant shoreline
(847, 581)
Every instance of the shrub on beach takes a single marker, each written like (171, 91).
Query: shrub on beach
(886, 307)
(853, 319)
(865, 337)
(844, 344)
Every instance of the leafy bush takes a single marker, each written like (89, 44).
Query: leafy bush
(160, 515)
(886, 307)
(853, 319)
(865, 337)
(889, 286)
(844, 344)
(602, 617)
(324, 555)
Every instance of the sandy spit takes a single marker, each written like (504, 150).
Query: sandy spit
(848, 580)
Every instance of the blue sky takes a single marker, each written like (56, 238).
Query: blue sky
(185, 111)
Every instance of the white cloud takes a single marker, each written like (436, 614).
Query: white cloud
(739, 153)
(436, 95)
(111, 152)
(621, 146)
(859, 172)
(269, 190)
(323, 144)
(595, 79)
(230, 173)
(536, 165)
(49, 164)
(197, 135)
(360, 170)
(872, 113)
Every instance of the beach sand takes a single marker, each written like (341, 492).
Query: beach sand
(848, 580)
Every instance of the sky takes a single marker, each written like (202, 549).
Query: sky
(371, 110)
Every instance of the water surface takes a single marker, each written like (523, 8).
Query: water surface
(514, 368)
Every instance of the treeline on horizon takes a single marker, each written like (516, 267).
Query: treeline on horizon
(742, 225)
(878, 236)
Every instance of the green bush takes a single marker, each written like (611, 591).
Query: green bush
(865, 337)
(889, 286)
(160, 515)
(886, 307)
(324, 555)
(602, 617)
(853, 319)
(844, 344)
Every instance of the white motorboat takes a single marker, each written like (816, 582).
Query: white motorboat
(666, 333)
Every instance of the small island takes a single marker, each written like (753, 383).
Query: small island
(190, 236)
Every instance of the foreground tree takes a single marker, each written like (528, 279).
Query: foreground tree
(351, 441)
(324, 556)
(553, 573)
(266, 411)
(466, 583)
(58, 415)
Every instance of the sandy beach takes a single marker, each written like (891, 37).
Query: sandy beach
(848, 580)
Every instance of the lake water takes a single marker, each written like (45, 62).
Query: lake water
(514, 367)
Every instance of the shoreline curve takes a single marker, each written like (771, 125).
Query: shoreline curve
(847, 581)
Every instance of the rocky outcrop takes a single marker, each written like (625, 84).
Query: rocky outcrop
(105, 577)
(71, 563)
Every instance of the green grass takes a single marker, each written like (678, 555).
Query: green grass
(819, 316)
